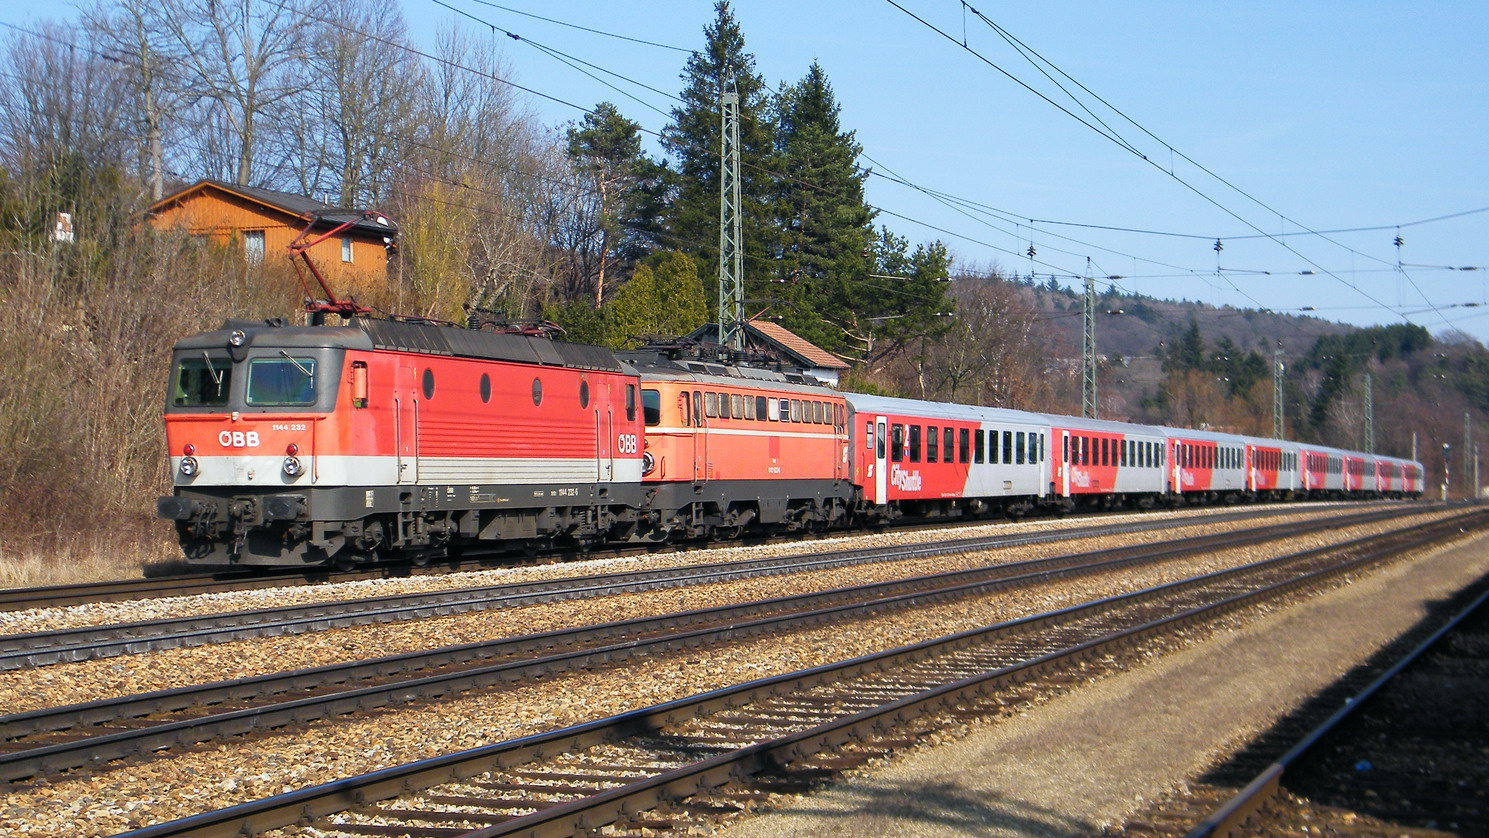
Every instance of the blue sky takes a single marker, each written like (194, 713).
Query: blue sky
(1332, 115)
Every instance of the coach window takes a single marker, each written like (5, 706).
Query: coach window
(651, 407)
(948, 446)
(979, 448)
(931, 447)
(897, 443)
(1042, 439)
(868, 434)
(915, 443)
(964, 446)
(1019, 449)
(1008, 446)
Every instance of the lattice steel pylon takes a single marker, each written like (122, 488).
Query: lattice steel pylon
(1369, 413)
(731, 252)
(1277, 417)
(1089, 403)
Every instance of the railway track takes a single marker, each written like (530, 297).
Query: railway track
(91, 642)
(1416, 788)
(225, 581)
(44, 741)
(673, 764)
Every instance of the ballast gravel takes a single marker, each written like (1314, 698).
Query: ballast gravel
(128, 795)
(71, 683)
(160, 608)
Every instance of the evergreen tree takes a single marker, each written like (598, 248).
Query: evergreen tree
(664, 297)
(827, 229)
(606, 149)
(693, 144)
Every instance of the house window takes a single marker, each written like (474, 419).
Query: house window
(253, 246)
(346, 248)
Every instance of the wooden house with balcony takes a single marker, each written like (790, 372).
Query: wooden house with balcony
(263, 222)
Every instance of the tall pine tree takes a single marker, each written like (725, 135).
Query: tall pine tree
(693, 144)
(826, 228)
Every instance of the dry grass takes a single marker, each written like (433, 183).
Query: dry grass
(52, 559)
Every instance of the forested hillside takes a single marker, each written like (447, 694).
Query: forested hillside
(585, 223)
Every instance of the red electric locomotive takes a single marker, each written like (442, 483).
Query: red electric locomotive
(295, 445)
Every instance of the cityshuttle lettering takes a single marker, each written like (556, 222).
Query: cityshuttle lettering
(905, 481)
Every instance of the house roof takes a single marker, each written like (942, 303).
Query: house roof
(797, 345)
(297, 205)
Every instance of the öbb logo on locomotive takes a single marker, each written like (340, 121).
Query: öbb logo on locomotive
(678, 441)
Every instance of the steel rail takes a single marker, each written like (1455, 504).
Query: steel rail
(90, 642)
(864, 726)
(228, 580)
(467, 668)
(1230, 819)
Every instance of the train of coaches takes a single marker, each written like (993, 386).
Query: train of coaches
(294, 445)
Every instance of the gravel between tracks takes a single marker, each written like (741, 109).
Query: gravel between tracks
(69, 683)
(126, 796)
(158, 608)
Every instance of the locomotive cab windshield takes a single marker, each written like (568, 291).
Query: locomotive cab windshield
(262, 379)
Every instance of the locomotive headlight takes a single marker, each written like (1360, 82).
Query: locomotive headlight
(237, 338)
(292, 467)
(188, 467)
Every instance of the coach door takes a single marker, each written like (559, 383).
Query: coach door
(1065, 464)
(406, 424)
(881, 470)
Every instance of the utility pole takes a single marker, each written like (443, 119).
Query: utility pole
(1467, 445)
(1088, 350)
(1277, 391)
(1369, 413)
(731, 252)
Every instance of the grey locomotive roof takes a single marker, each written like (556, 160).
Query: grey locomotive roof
(397, 336)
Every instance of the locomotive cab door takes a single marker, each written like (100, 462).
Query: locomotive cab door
(406, 425)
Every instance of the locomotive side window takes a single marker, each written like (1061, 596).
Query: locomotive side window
(762, 407)
(785, 410)
(537, 391)
(698, 408)
(749, 406)
(710, 405)
(736, 406)
(281, 381)
(486, 389)
(651, 407)
(630, 402)
(427, 383)
(687, 408)
(202, 381)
